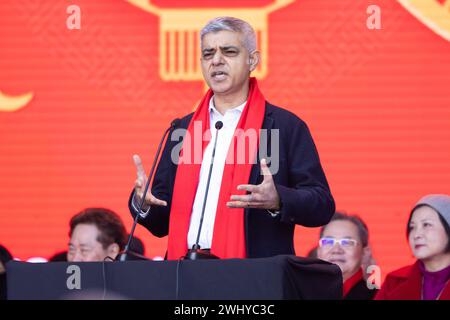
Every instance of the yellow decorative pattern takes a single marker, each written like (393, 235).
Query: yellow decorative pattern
(10, 103)
(179, 28)
(432, 13)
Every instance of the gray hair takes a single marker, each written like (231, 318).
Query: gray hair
(232, 24)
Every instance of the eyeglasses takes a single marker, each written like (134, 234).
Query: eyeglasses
(344, 243)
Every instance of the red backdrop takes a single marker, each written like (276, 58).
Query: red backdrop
(377, 103)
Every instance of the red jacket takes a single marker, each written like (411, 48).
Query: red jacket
(406, 284)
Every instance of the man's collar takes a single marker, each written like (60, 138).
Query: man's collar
(212, 107)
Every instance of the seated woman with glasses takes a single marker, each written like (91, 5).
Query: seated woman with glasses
(344, 242)
(428, 235)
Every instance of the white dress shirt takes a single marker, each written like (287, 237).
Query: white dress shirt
(230, 120)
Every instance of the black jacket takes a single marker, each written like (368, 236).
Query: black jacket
(360, 292)
(301, 183)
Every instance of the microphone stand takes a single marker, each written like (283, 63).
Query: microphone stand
(123, 256)
(196, 253)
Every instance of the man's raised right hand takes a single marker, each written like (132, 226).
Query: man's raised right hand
(139, 186)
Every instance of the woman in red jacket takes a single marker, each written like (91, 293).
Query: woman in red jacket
(428, 233)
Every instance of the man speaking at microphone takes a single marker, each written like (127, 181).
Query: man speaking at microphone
(250, 210)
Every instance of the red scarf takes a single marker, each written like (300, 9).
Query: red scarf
(352, 281)
(229, 235)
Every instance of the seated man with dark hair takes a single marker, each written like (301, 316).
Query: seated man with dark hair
(95, 235)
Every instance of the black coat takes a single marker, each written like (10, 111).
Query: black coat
(300, 181)
(360, 291)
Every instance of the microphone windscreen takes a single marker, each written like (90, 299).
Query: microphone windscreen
(219, 125)
(175, 122)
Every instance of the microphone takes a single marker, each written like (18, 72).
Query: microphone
(196, 252)
(124, 254)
